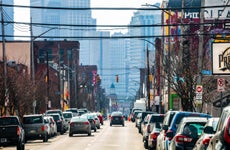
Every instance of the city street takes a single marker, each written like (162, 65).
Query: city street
(112, 138)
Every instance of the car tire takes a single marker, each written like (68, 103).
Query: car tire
(89, 134)
(20, 146)
(70, 134)
(45, 138)
(146, 144)
(95, 129)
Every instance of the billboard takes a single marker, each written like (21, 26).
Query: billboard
(221, 58)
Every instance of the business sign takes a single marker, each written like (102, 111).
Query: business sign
(216, 12)
(221, 58)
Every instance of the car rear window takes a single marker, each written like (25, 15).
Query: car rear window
(67, 115)
(32, 120)
(156, 119)
(8, 121)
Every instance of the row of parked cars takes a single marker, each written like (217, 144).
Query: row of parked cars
(182, 130)
(14, 131)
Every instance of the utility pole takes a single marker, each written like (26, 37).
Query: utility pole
(200, 49)
(148, 78)
(169, 58)
(4, 58)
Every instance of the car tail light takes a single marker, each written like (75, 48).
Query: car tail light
(111, 118)
(86, 123)
(94, 121)
(71, 123)
(154, 135)
(182, 139)
(18, 131)
(43, 127)
(206, 140)
(227, 132)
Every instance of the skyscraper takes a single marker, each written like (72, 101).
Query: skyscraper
(138, 47)
(67, 19)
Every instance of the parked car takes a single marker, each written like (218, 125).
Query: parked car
(117, 118)
(162, 135)
(92, 121)
(143, 115)
(47, 122)
(59, 122)
(97, 120)
(35, 127)
(188, 132)
(12, 132)
(52, 124)
(221, 139)
(73, 110)
(79, 125)
(138, 120)
(207, 134)
(53, 111)
(68, 115)
(152, 138)
(134, 114)
(150, 123)
(178, 116)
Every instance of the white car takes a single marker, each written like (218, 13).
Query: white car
(52, 127)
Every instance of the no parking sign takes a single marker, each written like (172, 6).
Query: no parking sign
(220, 85)
(199, 91)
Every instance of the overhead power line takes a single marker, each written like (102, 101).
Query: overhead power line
(112, 8)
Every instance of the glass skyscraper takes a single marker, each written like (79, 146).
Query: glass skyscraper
(68, 19)
(137, 50)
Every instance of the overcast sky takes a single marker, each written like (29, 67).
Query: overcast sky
(115, 17)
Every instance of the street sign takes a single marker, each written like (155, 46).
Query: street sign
(220, 85)
(199, 91)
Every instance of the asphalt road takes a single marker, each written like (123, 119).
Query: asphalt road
(106, 138)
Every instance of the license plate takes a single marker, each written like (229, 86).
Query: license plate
(116, 118)
(3, 140)
(32, 131)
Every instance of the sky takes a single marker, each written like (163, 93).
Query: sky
(109, 17)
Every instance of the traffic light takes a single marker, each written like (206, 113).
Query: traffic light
(117, 78)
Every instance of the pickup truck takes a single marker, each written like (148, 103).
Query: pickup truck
(11, 132)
